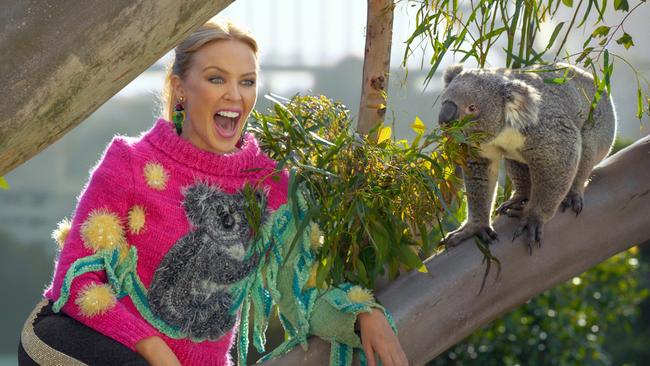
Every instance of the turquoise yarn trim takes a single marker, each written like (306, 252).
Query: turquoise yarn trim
(242, 339)
(340, 354)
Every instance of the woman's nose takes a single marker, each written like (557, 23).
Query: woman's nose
(233, 92)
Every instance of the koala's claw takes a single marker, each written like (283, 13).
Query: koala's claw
(512, 207)
(574, 201)
(484, 232)
(487, 235)
(535, 227)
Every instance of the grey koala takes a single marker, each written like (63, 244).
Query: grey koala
(189, 289)
(540, 129)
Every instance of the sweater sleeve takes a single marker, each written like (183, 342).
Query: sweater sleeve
(333, 314)
(330, 313)
(99, 224)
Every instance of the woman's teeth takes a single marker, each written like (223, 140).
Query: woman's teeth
(228, 114)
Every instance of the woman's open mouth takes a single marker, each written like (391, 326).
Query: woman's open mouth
(226, 123)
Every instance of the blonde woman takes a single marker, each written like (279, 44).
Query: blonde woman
(158, 202)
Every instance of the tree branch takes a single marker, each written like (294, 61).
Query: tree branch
(63, 59)
(437, 310)
(376, 64)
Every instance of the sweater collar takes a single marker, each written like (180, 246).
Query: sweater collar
(249, 157)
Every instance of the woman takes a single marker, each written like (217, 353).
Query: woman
(146, 201)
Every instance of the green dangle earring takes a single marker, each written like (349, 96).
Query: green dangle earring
(178, 116)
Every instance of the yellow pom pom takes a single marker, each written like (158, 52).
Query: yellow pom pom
(359, 294)
(136, 219)
(102, 230)
(95, 299)
(316, 237)
(61, 232)
(156, 176)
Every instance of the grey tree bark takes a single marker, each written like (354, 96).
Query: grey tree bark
(61, 60)
(376, 64)
(437, 310)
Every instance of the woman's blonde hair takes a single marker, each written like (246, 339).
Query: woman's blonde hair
(208, 32)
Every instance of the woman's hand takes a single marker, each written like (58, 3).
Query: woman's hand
(156, 352)
(377, 336)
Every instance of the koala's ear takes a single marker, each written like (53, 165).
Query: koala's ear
(451, 72)
(199, 199)
(521, 104)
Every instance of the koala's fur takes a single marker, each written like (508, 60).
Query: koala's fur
(190, 286)
(540, 129)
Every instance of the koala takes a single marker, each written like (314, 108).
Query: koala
(540, 129)
(189, 289)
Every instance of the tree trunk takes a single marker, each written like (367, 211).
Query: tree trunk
(63, 59)
(376, 64)
(437, 310)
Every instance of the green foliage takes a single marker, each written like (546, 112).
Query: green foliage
(471, 29)
(379, 204)
(567, 325)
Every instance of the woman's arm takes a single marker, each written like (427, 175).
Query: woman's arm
(377, 336)
(99, 223)
(330, 313)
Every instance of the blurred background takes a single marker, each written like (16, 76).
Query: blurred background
(308, 47)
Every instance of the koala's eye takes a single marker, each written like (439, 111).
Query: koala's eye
(472, 108)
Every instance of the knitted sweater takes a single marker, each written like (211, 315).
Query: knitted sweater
(137, 197)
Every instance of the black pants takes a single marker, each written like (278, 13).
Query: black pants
(50, 338)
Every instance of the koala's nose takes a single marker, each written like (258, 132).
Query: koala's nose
(448, 113)
(228, 221)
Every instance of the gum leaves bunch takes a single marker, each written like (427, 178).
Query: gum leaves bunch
(381, 205)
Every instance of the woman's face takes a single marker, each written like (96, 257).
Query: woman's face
(219, 91)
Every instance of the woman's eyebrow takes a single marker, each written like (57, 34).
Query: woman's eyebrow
(226, 72)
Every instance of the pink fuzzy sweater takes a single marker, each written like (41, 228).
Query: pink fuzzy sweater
(151, 171)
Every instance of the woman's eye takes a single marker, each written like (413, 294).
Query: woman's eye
(216, 80)
(249, 82)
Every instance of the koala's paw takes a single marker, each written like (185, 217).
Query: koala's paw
(573, 200)
(535, 227)
(513, 207)
(484, 232)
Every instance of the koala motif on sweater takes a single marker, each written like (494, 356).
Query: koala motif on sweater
(189, 289)
(542, 132)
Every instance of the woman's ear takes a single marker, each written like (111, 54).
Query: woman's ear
(176, 87)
